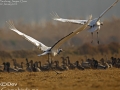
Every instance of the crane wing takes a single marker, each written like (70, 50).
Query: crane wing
(64, 39)
(71, 21)
(30, 39)
(57, 18)
(108, 9)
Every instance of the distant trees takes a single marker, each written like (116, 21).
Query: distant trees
(93, 50)
(87, 48)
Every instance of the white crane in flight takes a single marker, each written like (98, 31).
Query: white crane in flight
(94, 24)
(55, 49)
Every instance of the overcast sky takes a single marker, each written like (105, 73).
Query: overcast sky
(39, 10)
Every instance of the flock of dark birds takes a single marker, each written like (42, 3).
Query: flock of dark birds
(65, 64)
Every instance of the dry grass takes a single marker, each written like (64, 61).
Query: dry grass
(88, 79)
(68, 80)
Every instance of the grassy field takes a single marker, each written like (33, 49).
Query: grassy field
(69, 80)
(88, 79)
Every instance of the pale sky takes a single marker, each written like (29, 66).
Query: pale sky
(39, 10)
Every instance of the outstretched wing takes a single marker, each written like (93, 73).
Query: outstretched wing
(108, 9)
(30, 39)
(57, 18)
(71, 21)
(64, 39)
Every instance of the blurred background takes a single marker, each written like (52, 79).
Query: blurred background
(33, 18)
(39, 10)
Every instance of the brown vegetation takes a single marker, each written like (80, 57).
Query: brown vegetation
(86, 49)
(102, 49)
(69, 80)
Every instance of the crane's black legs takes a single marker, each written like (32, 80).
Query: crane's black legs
(97, 37)
(49, 58)
(51, 63)
(92, 37)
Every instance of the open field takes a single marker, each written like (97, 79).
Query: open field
(69, 80)
(88, 79)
